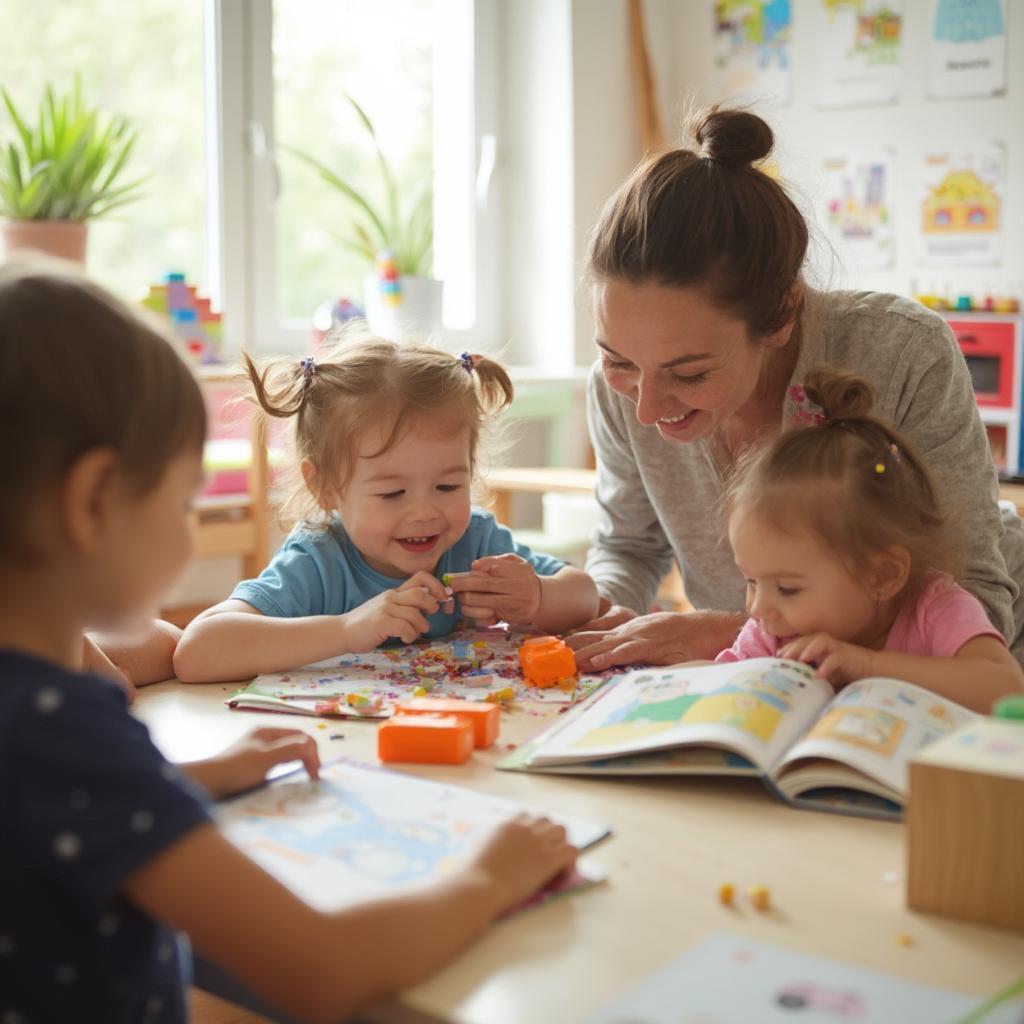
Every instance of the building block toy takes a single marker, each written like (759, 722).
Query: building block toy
(760, 897)
(485, 717)
(964, 825)
(426, 739)
(546, 661)
(192, 319)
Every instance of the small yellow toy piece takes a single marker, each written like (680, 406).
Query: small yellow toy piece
(726, 892)
(904, 939)
(760, 897)
(420, 691)
(321, 725)
(502, 696)
(446, 579)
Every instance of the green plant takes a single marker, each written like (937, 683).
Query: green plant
(68, 165)
(406, 230)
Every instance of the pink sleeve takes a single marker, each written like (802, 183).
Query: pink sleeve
(752, 642)
(951, 617)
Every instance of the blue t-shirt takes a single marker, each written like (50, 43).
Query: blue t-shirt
(85, 800)
(321, 572)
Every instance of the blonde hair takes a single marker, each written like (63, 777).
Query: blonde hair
(363, 381)
(856, 482)
(79, 369)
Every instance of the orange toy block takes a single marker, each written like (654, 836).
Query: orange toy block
(546, 661)
(426, 739)
(485, 717)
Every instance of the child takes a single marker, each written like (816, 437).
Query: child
(106, 849)
(850, 566)
(386, 436)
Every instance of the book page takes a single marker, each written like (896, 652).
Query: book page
(755, 708)
(876, 726)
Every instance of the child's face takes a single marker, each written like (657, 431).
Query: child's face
(797, 586)
(405, 508)
(145, 545)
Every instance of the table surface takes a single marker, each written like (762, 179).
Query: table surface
(675, 841)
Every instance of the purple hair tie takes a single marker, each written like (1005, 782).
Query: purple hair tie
(308, 364)
(468, 361)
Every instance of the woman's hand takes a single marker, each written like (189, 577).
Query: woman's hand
(499, 588)
(612, 616)
(246, 762)
(838, 662)
(664, 638)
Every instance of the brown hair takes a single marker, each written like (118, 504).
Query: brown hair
(855, 481)
(708, 219)
(79, 370)
(361, 381)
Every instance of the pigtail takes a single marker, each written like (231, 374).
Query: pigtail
(493, 384)
(281, 386)
(842, 396)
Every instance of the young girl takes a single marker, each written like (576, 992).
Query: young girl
(849, 563)
(386, 436)
(106, 849)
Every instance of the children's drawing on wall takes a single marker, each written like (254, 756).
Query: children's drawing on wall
(961, 216)
(858, 50)
(967, 53)
(857, 209)
(752, 50)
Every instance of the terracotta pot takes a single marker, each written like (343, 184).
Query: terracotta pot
(63, 238)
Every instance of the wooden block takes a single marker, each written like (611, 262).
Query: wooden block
(965, 825)
(485, 717)
(426, 739)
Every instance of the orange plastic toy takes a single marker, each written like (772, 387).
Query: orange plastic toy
(485, 717)
(546, 661)
(426, 739)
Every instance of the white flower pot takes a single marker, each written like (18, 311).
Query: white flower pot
(416, 317)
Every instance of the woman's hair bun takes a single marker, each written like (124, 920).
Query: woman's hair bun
(841, 395)
(734, 138)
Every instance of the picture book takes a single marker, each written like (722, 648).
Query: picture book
(766, 717)
(475, 664)
(727, 979)
(361, 832)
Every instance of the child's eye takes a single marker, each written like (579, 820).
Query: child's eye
(693, 381)
(391, 494)
(449, 488)
(788, 591)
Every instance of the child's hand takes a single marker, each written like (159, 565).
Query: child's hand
(521, 856)
(246, 762)
(838, 662)
(499, 587)
(400, 613)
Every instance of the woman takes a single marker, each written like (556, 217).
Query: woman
(705, 332)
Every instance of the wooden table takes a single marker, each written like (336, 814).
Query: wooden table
(675, 841)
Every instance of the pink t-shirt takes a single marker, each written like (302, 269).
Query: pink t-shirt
(937, 624)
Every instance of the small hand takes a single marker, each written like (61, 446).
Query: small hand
(663, 638)
(835, 660)
(246, 762)
(499, 587)
(401, 612)
(522, 855)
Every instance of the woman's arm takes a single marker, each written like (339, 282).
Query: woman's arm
(324, 967)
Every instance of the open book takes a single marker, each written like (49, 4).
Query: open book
(765, 717)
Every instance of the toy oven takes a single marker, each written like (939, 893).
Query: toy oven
(988, 349)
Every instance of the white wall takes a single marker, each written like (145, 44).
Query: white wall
(910, 127)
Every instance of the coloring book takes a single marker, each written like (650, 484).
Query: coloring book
(361, 832)
(728, 979)
(475, 664)
(765, 717)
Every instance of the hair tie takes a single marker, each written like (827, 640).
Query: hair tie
(308, 365)
(469, 361)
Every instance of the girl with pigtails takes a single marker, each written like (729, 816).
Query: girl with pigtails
(386, 444)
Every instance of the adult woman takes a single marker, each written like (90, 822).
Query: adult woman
(705, 331)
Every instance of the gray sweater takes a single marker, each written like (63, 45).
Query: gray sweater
(660, 499)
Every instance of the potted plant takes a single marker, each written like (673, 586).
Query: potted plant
(394, 233)
(61, 171)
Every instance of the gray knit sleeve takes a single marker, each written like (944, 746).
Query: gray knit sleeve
(630, 554)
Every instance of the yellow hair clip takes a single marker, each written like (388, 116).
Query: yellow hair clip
(879, 467)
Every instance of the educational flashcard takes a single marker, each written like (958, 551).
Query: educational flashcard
(361, 832)
(961, 218)
(727, 979)
(752, 50)
(858, 52)
(967, 51)
(856, 209)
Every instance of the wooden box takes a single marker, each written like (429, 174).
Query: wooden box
(965, 825)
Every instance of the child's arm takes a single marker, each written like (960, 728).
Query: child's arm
(506, 587)
(980, 672)
(234, 640)
(141, 658)
(324, 967)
